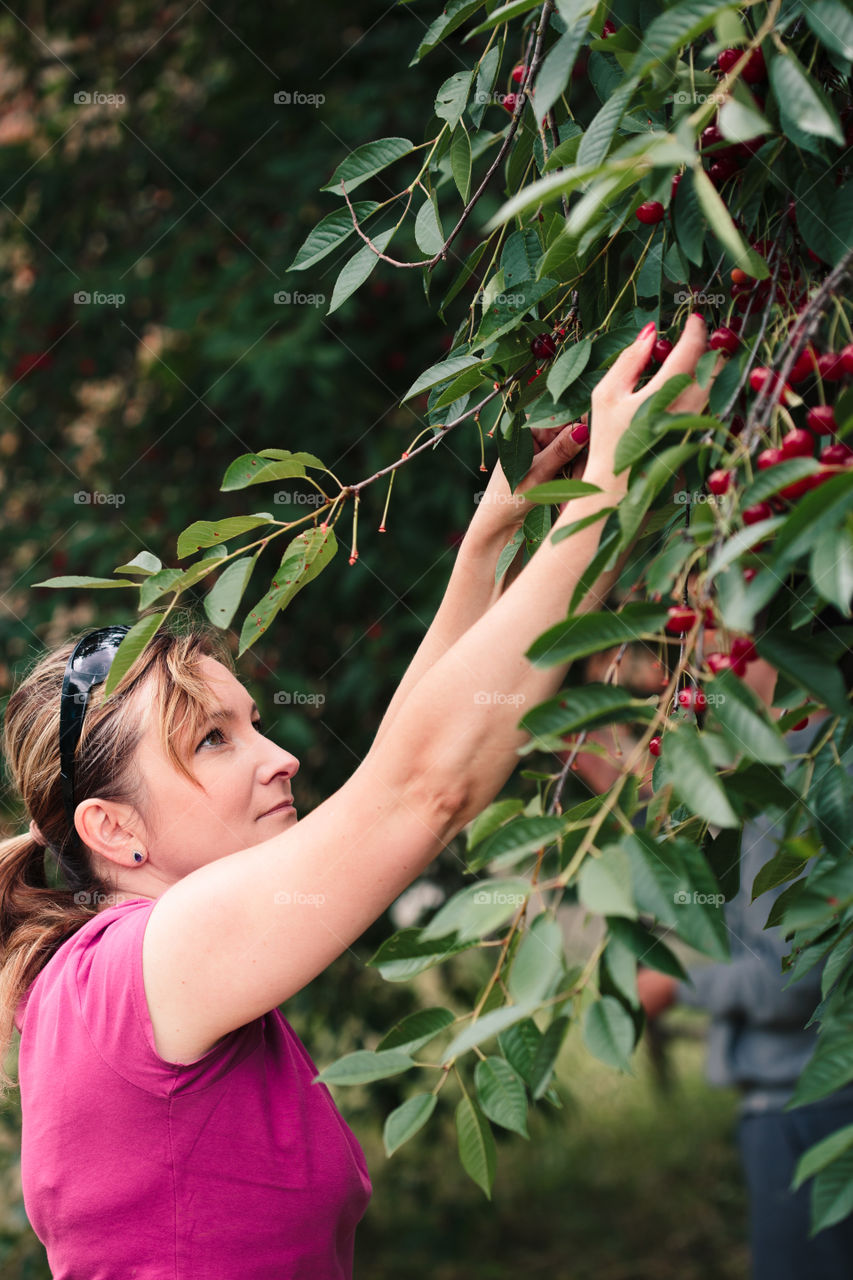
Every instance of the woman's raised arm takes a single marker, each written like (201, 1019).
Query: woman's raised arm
(237, 937)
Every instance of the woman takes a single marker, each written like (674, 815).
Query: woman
(170, 1126)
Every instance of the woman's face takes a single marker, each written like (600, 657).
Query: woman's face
(243, 775)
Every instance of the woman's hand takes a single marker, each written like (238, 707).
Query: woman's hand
(553, 448)
(615, 400)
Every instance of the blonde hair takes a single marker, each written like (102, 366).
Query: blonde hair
(38, 914)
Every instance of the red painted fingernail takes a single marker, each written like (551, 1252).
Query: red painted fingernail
(580, 433)
(647, 329)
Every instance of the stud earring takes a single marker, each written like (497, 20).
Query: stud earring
(137, 856)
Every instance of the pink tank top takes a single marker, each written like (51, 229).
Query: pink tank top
(235, 1167)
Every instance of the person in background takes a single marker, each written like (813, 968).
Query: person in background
(759, 1043)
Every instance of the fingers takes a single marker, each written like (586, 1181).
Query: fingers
(684, 355)
(623, 374)
(694, 398)
(569, 441)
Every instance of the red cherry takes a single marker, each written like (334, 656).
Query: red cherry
(721, 170)
(847, 359)
(804, 366)
(769, 458)
(679, 620)
(692, 700)
(749, 574)
(779, 391)
(543, 346)
(675, 181)
(821, 420)
(736, 425)
(830, 366)
(743, 649)
(837, 455)
(755, 70)
(608, 29)
(796, 490)
(518, 73)
(661, 350)
(654, 746)
(509, 102)
(798, 444)
(801, 724)
(650, 212)
(761, 511)
(719, 482)
(727, 59)
(724, 339)
(718, 662)
(710, 137)
(32, 360)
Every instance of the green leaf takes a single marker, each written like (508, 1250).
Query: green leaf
(537, 961)
(821, 1154)
(416, 1030)
(690, 224)
(673, 882)
(460, 162)
(608, 1033)
(567, 530)
(443, 372)
(251, 468)
(720, 222)
(584, 707)
(832, 23)
(507, 307)
(568, 366)
(452, 96)
(553, 74)
(453, 15)
(768, 482)
(560, 490)
(504, 14)
(329, 233)
(826, 508)
(428, 233)
(144, 563)
(604, 883)
(501, 1094)
(516, 840)
(739, 122)
(497, 813)
(693, 776)
(508, 554)
(405, 954)
(519, 1044)
(365, 161)
(515, 451)
(744, 720)
(547, 1051)
(677, 26)
(80, 581)
(357, 270)
(832, 1193)
(476, 1145)
(801, 100)
(404, 1122)
(130, 648)
(207, 533)
(797, 657)
(648, 949)
(783, 866)
(305, 557)
(478, 909)
(590, 633)
(484, 1027)
(831, 567)
(363, 1066)
(220, 603)
(157, 584)
(829, 1068)
(600, 133)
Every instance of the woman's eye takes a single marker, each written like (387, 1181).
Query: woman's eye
(207, 737)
